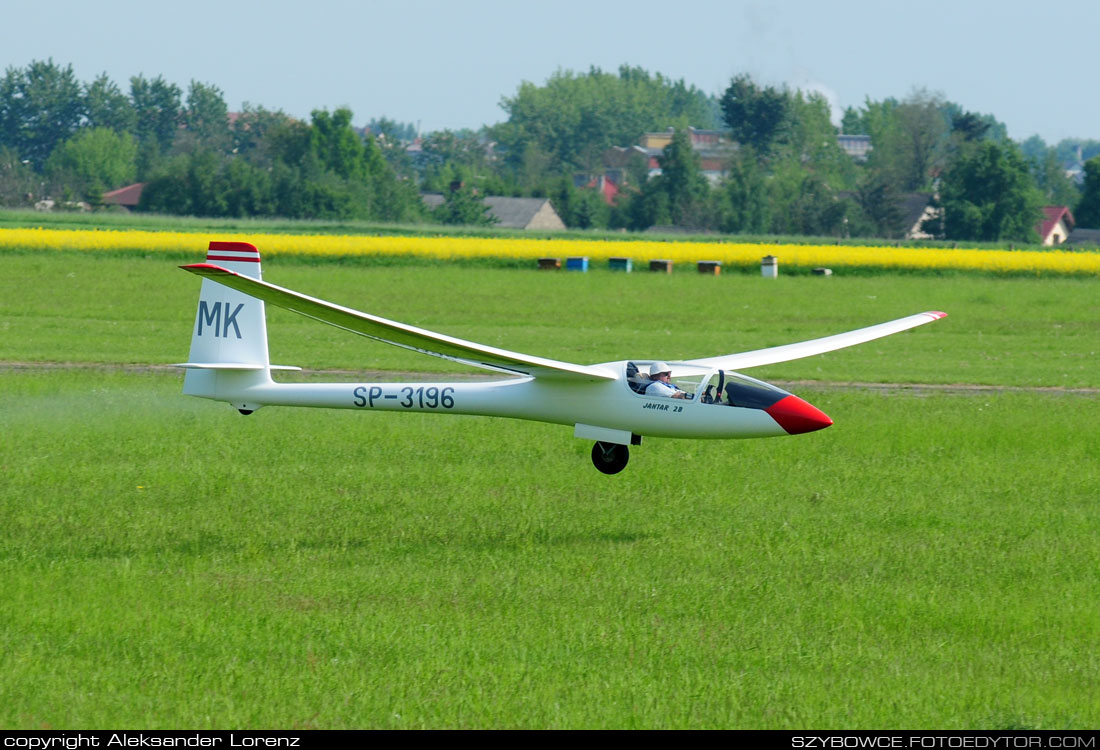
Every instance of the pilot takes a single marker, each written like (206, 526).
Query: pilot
(660, 373)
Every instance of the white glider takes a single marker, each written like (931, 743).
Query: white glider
(613, 403)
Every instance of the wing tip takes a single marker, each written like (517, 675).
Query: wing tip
(936, 314)
(205, 268)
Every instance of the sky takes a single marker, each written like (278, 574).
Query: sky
(443, 64)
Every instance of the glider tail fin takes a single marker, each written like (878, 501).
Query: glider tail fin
(229, 339)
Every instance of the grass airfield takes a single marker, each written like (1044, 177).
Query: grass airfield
(929, 562)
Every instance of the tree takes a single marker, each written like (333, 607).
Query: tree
(169, 192)
(803, 202)
(376, 191)
(682, 181)
(853, 123)
(571, 120)
(390, 130)
(1051, 179)
(464, 147)
(158, 116)
(462, 206)
(288, 143)
(191, 185)
(93, 161)
(969, 127)
(249, 190)
(40, 106)
(913, 142)
(759, 117)
(810, 140)
(988, 195)
(748, 204)
(336, 145)
(1034, 148)
(579, 208)
(251, 130)
(679, 195)
(1087, 213)
(19, 184)
(880, 208)
(1073, 150)
(392, 139)
(107, 107)
(206, 117)
(203, 183)
(444, 151)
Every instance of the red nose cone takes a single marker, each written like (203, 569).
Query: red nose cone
(796, 416)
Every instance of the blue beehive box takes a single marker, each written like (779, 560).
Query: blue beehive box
(620, 264)
(576, 264)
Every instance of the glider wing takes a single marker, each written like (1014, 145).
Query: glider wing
(400, 334)
(788, 352)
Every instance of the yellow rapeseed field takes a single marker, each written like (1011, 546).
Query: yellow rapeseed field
(641, 251)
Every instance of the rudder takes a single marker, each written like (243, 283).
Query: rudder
(229, 338)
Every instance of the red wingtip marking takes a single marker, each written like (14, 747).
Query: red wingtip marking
(937, 314)
(206, 267)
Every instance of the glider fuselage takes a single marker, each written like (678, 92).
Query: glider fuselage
(610, 403)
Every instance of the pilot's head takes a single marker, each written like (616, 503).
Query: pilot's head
(659, 371)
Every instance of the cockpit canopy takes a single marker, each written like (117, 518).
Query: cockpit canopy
(717, 387)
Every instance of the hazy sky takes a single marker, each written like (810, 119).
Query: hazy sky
(448, 64)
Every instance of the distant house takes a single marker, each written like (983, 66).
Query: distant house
(913, 209)
(512, 213)
(1084, 237)
(714, 148)
(127, 197)
(917, 208)
(524, 213)
(856, 146)
(621, 158)
(1056, 225)
(609, 189)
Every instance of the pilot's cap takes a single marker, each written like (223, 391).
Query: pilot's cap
(658, 367)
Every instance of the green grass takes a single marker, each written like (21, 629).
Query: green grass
(928, 562)
(1023, 332)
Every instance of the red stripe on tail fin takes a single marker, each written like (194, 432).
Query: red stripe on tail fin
(239, 251)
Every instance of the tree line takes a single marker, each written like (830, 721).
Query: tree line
(784, 171)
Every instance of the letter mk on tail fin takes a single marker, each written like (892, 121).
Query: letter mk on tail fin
(229, 340)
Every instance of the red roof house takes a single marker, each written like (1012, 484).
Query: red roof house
(1056, 225)
(609, 191)
(127, 197)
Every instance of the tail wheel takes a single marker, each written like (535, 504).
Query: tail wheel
(610, 458)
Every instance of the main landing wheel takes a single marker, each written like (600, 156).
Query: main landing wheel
(610, 458)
